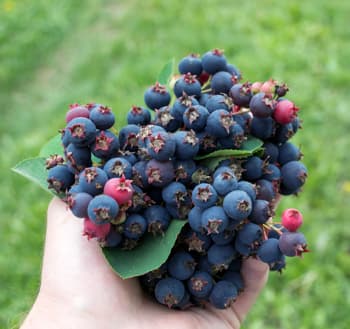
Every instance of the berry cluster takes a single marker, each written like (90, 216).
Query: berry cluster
(134, 182)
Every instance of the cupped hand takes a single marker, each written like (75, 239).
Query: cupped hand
(79, 289)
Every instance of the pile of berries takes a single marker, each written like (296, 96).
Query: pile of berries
(133, 182)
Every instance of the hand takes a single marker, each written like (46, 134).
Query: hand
(80, 290)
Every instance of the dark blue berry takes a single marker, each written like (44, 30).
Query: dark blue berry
(157, 96)
(221, 82)
(135, 226)
(195, 117)
(223, 294)
(60, 178)
(214, 220)
(106, 144)
(191, 64)
(118, 167)
(214, 61)
(237, 205)
(187, 84)
(102, 209)
(187, 145)
(269, 251)
(81, 131)
(181, 265)
(138, 115)
(102, 117)
(92, 180)
(169, 292)
(261, 212)
(157, 218)
(200, 284)
(220, 256)
(204, 195)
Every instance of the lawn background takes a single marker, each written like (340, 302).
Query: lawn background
(53, 54)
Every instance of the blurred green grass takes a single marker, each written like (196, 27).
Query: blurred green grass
(53, 54)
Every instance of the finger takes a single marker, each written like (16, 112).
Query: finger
(255, 274)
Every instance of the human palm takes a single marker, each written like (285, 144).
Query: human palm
(80, 290)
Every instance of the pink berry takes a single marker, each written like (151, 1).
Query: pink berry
(120, 189)
(76, 111)
(285, 111)
(292, 219)
(268, 87)
(256, 87)
(92, 230)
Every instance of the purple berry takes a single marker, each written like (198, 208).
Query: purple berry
(262, 105)
(292, 244)
(159, 173)
(78, 204)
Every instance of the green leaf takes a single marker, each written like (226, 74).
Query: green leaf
(34, 170)
(166, 73)
(53, 146)
(153, 252)
(249, 147)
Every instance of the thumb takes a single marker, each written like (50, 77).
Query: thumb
(70, 260)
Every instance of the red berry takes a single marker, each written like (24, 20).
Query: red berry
(285, 111)
(292, 219)
(92, 230)
(120, 189)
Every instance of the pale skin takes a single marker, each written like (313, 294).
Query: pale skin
(80, 290)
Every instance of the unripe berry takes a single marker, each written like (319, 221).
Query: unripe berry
(120, 189)
(292, 219)
(285, 111)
